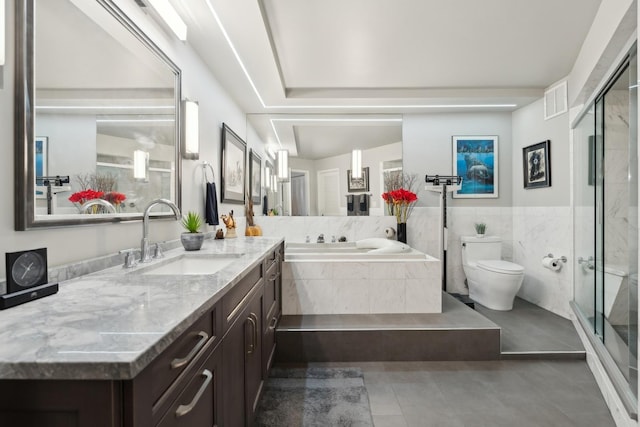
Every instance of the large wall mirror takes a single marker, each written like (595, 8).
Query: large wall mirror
(320, 148)
(97, 116)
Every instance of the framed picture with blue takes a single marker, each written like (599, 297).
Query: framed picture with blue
(475, 159)
(536, 165)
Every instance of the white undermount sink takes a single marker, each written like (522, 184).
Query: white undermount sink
(191, 264)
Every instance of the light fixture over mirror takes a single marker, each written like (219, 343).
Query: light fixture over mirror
(85, 122)
(191, 137)
(168, 16)
(356, 164)
(283, 165)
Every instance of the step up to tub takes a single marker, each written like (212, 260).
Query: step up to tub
(458, 333)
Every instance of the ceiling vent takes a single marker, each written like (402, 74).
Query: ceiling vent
(555, 100)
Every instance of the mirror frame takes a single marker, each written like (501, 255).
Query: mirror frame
(24, 133)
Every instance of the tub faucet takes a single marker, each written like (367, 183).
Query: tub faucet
(320, 238)
(145, 255)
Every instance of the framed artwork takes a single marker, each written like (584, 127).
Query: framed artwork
(475, 159)
(536, 165)
(255, 182)
(233, 157)
(355, 185)
(41, 153)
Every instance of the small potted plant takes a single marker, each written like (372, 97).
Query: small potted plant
(481, 227)
(192, 239)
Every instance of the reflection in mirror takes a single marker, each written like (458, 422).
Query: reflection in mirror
(320, 158)
(97, 111)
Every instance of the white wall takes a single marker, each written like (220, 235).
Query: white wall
(427, 149)
(72, 244)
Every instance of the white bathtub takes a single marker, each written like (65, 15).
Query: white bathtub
(339, 278)
(346, 252)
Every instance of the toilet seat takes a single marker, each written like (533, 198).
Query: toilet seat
(500, 266)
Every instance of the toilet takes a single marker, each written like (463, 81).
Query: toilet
(492, 281)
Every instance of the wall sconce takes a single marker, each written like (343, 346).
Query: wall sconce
(283, 165)
(141, 165)
(191, 131)
(356, 164)
(169, 17)
(267, 177)
(274, 183)
(2, 30)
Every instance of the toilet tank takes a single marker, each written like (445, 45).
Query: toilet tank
(478, 248)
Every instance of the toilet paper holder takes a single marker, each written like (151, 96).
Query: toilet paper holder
(562, 258)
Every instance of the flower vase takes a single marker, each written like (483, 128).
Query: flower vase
(401, 232)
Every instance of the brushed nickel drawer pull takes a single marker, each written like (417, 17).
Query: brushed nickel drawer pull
(255, 330)
(252, 346)
(180, 362)
(273, 323)
(185, 409)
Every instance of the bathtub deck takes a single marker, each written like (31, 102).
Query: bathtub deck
(458, 333)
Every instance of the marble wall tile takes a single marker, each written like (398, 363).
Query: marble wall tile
(538, 231)
(352, 296)
(387, 296)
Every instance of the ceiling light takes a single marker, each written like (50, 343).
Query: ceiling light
(356, 164)
(170, 17)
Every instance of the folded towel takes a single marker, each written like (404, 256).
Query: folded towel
(350, 202)
(363, 202)
(379, 245)
(211, 204)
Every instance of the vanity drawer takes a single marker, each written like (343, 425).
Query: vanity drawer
(199, 401)
(231, 302)
(177, 357)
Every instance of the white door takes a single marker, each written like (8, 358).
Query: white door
(329, 192)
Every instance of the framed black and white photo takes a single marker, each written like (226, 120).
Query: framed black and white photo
(536, 165)
(255, 181)
(355, 185)
(234, 151)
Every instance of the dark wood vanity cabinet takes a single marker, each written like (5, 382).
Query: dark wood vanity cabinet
(211, 375)
(242, 363)
(272, 305)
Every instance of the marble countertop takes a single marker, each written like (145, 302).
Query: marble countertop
(112, 323)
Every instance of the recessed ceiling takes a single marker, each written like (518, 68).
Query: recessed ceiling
(386, 56)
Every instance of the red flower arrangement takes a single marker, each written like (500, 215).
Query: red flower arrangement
(400, 202)
(85, 195)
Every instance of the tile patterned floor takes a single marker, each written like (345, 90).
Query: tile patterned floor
(514, 393)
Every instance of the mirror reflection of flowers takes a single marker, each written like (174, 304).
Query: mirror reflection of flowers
(115, 199)
(83, 196)
(403, 201)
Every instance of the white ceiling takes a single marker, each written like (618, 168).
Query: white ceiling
(385, 56)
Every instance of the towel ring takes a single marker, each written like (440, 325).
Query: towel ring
(206, 165)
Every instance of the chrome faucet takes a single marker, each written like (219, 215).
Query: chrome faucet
(97, 202)
(145, 256)
(320, 239)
